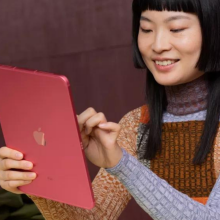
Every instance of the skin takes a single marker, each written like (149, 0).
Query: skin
(179, 38)
(98, 135)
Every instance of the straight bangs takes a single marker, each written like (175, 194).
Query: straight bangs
(190, 6)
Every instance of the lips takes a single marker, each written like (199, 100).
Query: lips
(166, 67)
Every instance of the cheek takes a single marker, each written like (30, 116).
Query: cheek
(142, 45)
(191, 45)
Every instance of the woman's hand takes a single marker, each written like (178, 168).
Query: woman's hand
(10, 179)
(99, 138)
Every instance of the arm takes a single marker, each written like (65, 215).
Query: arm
(160, 200)
(111, 196)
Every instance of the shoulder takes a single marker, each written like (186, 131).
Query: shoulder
(129, 129)
(140, 114)
(128, 134)
(131, 118)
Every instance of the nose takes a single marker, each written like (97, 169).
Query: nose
(161, 43)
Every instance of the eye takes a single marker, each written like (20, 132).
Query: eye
(145, 30)
(177, 30)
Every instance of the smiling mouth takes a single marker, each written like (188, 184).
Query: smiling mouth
(166, 62)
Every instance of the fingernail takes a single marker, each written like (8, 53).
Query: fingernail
(31, 175)
(29, 165)
(102, 125)
(18, 155)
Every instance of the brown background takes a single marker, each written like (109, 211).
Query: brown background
(89, 41)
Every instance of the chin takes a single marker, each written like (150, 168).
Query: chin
(166, 81)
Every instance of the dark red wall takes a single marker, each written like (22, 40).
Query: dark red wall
(89, 41)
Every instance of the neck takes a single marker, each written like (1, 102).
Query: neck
(187, 98)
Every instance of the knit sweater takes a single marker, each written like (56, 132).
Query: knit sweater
(163, 187)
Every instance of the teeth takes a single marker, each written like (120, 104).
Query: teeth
(164, 63)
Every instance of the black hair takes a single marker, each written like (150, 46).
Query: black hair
(209, 62)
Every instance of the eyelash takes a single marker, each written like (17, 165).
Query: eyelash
(145, 31)
(177, 30)
(174, 30)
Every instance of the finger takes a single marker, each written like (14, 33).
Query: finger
(94, 121)
(13, 185)
(84, 116)
(16, 175)
(113, 127)
(6, 152)
(7, 164)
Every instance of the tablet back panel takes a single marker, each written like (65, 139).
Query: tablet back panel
(38, 119)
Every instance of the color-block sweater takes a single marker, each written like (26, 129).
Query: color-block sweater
(167, 187)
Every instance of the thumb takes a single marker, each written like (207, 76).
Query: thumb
(110, 126)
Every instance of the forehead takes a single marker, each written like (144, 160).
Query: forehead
(166, 16)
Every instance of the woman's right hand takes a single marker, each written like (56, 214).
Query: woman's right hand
(99, 138)
(10, 179)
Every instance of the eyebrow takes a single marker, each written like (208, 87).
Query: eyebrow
(177, 17)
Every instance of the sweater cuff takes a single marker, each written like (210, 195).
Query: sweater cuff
(120, 166)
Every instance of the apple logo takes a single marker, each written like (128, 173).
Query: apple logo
(39, 137)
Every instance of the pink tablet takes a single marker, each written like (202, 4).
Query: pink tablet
(38, 119)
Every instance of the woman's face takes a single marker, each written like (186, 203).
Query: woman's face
(170, 44)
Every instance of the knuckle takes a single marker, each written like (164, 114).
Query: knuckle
(10, 184)
(10, 175)
(91, 110)
(2, 149)
(6, 164)
(101, 114)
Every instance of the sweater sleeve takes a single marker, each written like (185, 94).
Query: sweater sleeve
(111, 197)
(160, 200)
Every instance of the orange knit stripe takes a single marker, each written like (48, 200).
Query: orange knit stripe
(144, 115)
(202, 200)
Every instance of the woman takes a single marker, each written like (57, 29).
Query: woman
(175, 137)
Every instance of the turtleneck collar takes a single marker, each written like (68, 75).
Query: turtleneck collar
(187, 98)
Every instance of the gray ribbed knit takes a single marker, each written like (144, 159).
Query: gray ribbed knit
(160, 200)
